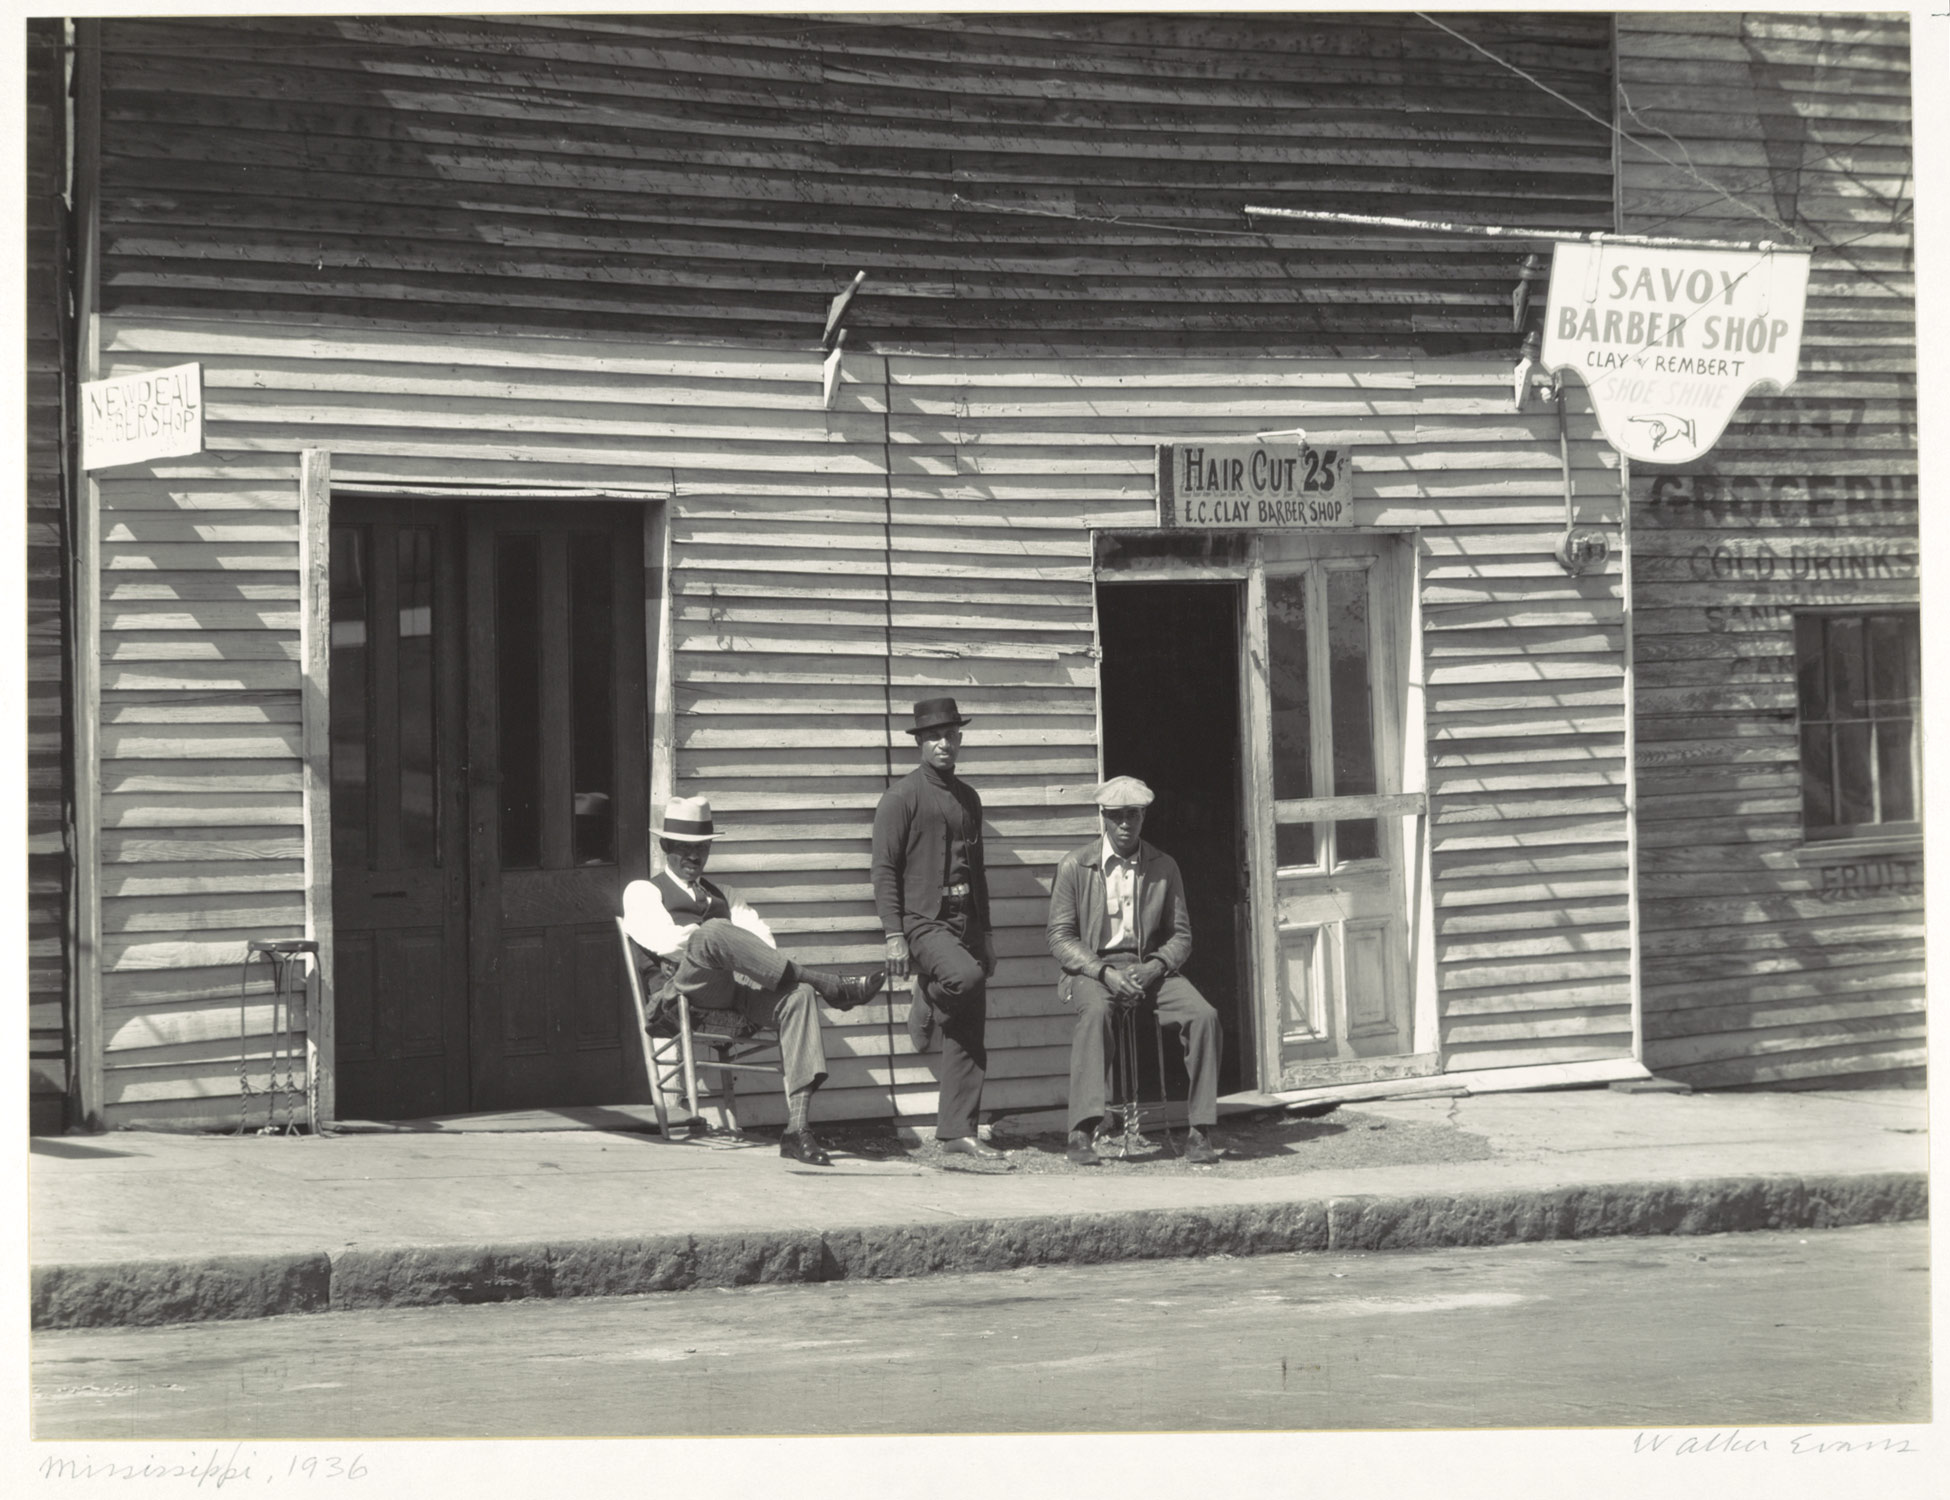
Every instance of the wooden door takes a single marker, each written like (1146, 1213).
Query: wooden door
(399, 865)
(557, 787)
(1325, 700)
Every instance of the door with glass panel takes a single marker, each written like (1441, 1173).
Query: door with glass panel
(399, 843)
(488, 802)
(557, 791)
(1336, 836)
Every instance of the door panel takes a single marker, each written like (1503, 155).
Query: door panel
(1326, 682)
(556, 745)
(398, 847)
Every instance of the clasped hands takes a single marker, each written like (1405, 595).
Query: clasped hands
(1129, 983)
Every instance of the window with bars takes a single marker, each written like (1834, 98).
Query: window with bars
(1859, 682)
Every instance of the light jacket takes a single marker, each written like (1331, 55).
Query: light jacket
(1077, 908)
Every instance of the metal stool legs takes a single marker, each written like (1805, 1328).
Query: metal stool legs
(1124, 1105)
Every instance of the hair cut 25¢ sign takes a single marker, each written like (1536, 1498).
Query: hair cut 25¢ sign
(1670, 341)
(1254, 486)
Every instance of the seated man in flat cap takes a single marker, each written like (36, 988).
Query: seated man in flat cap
(718, 955)
(1119, 927)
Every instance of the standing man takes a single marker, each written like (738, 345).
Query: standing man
(933, 896)
(1119, 927)
(715, 952)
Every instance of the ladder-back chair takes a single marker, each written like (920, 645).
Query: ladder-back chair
(676, 1052)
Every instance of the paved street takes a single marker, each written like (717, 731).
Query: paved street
(1800, 1327)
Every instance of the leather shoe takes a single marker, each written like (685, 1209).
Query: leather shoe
(920, 1018)
(1198, 1150)
(856, 990)
(1080, 1150)
(968, 1145)
(803, 1145)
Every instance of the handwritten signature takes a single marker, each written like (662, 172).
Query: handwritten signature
(1692, 1444)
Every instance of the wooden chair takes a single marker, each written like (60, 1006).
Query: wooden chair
(673, 1061)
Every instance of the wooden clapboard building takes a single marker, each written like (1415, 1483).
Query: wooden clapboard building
(529, 496)
(1775, 581)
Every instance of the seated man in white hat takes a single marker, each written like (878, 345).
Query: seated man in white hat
(1119, 927)
(719, 956)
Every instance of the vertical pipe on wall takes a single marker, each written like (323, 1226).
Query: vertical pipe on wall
(89, 1103)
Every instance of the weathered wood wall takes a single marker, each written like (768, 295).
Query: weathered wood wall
(932, 532)
(48, 760)
(1761, 965)
(497, 252)
(702, 177)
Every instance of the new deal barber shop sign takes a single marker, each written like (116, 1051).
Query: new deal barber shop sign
(134, 418)
(1253, 486)
(1670, 341)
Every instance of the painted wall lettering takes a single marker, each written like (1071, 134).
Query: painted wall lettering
(1745, 497)
(1872, 877)
(1802, 562)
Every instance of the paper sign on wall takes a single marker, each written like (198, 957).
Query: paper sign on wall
(133, 418)
(1670, 341)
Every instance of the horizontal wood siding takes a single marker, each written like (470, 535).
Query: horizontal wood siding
(1762, 965)
(930, 533)
(1071, 184)
(49, 785)
(201, 804)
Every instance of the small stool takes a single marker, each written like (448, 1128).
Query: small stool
(1123, 1104)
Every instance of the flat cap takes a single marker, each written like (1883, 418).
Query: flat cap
(1122, 791)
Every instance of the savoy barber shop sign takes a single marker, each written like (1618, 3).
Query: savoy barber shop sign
(1670, 341)
(1278, 486)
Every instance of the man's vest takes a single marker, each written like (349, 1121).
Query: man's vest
(685, 909)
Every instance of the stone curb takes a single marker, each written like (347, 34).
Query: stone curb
(134, 1293)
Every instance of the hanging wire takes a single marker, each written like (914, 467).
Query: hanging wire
(1570, 103)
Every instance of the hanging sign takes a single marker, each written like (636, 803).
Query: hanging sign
(1670, 341)
(134, 418)
(1255, 486)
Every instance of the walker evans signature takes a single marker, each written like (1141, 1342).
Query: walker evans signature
(1686, 1445)
(214, 1469)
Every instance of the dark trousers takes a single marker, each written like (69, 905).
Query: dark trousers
(1178, 1004)
(943, 953)
(716, 954)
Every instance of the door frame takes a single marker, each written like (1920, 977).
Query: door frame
(315, 490)
(1402, 769)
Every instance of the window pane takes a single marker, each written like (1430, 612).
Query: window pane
(350, 670)
(1348, 670)
(592, 756)
(1855, 800)
(1286, 676)
(1848, 687)
(1895, 755)
(1893, 677)
(1293, 844)
(518, 645)
(1817, 773)
(1811, 678)
(418, 830)
(1357, 840)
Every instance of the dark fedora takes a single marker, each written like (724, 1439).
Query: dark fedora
(936, 713)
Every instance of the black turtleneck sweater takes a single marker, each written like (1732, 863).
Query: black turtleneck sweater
(927, 834)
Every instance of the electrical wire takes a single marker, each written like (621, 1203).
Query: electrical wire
(1609, 125)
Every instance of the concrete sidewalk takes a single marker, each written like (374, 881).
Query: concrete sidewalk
(135, 1227)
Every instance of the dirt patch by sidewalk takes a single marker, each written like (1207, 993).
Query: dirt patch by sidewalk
(1267, 1145)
